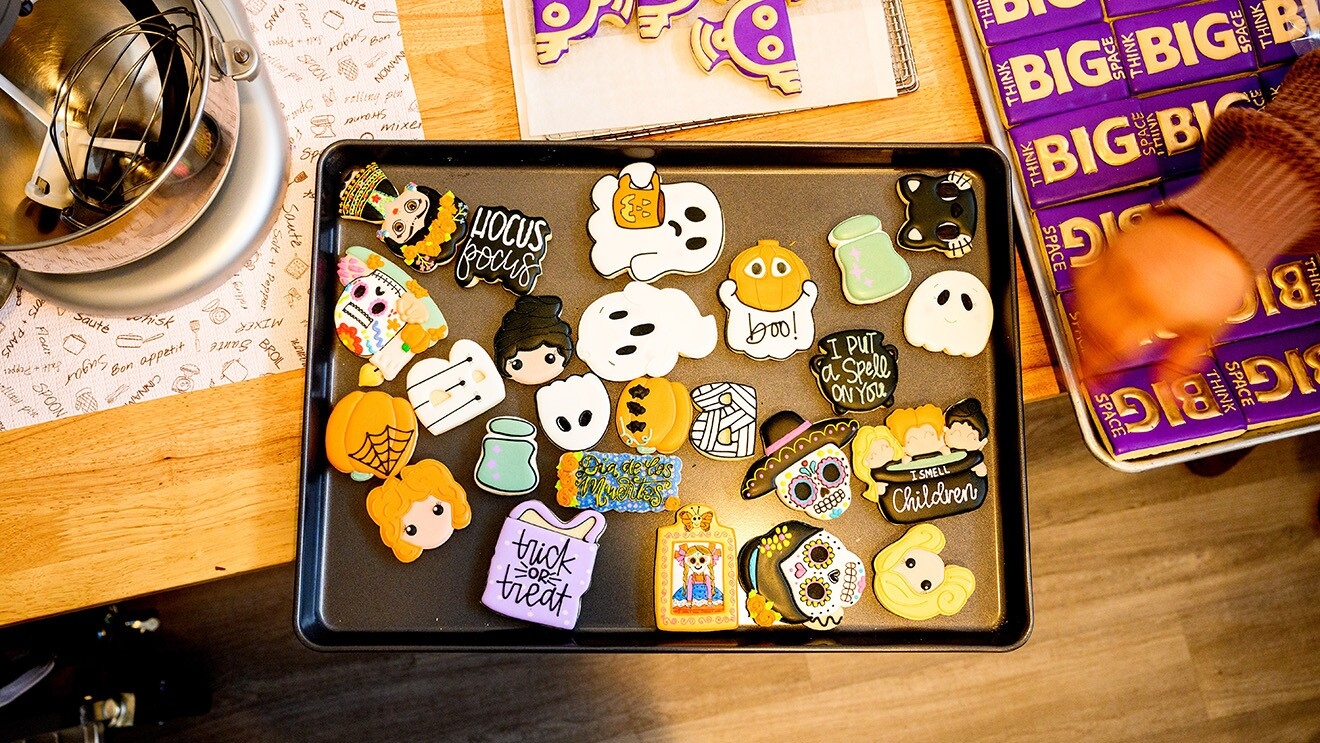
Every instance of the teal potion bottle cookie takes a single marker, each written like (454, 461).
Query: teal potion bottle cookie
(872, 270)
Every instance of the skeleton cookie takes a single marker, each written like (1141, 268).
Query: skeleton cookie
(769, 297)
(804, 464)
(419, 224)
(756, 38)
(383, 314)
(650, 229)
(913, 581)
(800, 574)
(941, 213)
(641, 331)
(559, 22)
(696, 573)
(951, 313)
(449, 392)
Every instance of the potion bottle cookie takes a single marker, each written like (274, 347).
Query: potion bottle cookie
(871, 269)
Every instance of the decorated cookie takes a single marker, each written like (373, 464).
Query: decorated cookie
(420, 225)
(533, 346)
(654, 415)
(804, 464)
(383, 314)
(542, 566)
(655, 16)
(559, 22)
(641, 331)
(507, 465)
(856, 370)
(726, 426)
(925, 463)
(696, 573)
(574, 411)
(650, 229)
(769, 297)
(872, 270)
(632, 483)
(941, 213)
(912, 581)
(419, 510)
(450, 392)
(951, 313)
(370, 434)
(504, 246)
(756, 39)
(800, 574)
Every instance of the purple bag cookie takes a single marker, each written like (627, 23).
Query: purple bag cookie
(1181, 119)
(1285, 296)
(1275, 24)
(756, 39)
(1002, 21)
(542, 566)
(1074, 235)
(1062, 71)
(559, 22)
(1187, 45)
(1277, 377)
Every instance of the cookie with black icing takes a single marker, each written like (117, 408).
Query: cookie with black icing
(941, 213)
(805, 464)
(533, 345)
(418, 224)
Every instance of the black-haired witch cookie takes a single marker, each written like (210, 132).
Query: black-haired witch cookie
(419, 224)
(533, 345)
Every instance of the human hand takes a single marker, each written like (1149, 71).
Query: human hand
(1168, 275)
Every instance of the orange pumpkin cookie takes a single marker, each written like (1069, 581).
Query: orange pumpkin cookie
(370, 434)
(654, 415)
(769, 297)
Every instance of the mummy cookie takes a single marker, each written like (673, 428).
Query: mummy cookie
(370, 434)
(941, 213)
(542, 566)
(951, 313)
(726, 426)
(856, 370)
(696, 573)
(504, 246)
(507, 465)
(655, 16)
(574, 411)
(800, 574)
(804, 464)
(651, 229)
(450, 392)
(384, 315)
(913, 581)
(419, 224)
(418, 510)
(756, 39)
(872, 270)
(654, 415)
(631, 483)
(533, 346)
(559, 22)
(925, 463)
(769, 297)
(641, 331)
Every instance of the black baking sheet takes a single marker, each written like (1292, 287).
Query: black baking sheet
(351, 591)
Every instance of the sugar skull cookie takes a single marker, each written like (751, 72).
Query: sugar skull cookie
(450, 392)
(941, 213)
(913, 581)
(533, 345)
(950, 312)
(418, 510)
(756, 39)
(769, 298)
(641, 331)
(805, 464)
(383, 314)
(574, 411)
(651, 229)
(800, 574)
(419, 224)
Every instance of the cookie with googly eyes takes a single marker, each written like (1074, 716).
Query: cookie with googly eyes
(913, 581)
(769, 298)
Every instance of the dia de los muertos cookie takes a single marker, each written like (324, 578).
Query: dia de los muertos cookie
(606, 481)
(383, 314)
(913, 581)
(941, 213)
(756, 39)
(800, 574)
(696, 573)
(418, 224)
(805, 465)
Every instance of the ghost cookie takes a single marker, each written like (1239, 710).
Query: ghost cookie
(533, 346)
(419, 224)
(651, 229)
(941, 213)
(503, 246)
(383, 314)
(370, 434)
(756, 39)
(559, 22)
(913, 581)
(641, 331)
(856, 370)
(769, 298)
(805, 464)
(726, 426)
(800, 574)
(418, 510)
(449, 392)
(872, 270)
(574, 411)
(951, 313)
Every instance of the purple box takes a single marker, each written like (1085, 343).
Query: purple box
(1276, 377)
(1117, 8)
(1074, 235)
(1002, 21)
(1152, 351)
(1062, 71)
(1181, 119)
(1186, 45)
(1086, 152)
(1140, 416)
(1172, 189)
(1285, 296)
(1275, 24)
(1270, 80)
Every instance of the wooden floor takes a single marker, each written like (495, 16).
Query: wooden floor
(1168, 607)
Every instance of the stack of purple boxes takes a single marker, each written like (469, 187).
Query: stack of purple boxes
(1107, 103)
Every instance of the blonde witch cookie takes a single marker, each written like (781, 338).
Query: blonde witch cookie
(370, 434)
(913, 581)
(769, 298)
(654, 415)
(799, 574)
(419, 510)
(696, 573)
(804, 464)
(950, 312)
(383, 315)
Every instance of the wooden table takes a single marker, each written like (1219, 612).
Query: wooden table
(153, 496)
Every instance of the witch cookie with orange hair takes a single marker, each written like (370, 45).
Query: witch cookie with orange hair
(925, 463)
(769, 298)
(419, 224)
(418, 510)
(805, 464)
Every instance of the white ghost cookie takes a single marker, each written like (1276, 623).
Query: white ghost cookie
(449, 392)
(951, 312)
(574, 411)
(641, 331)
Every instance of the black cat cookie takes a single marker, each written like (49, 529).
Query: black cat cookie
(941, 213)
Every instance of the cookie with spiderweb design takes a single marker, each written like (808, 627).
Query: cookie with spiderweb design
(370, 434)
